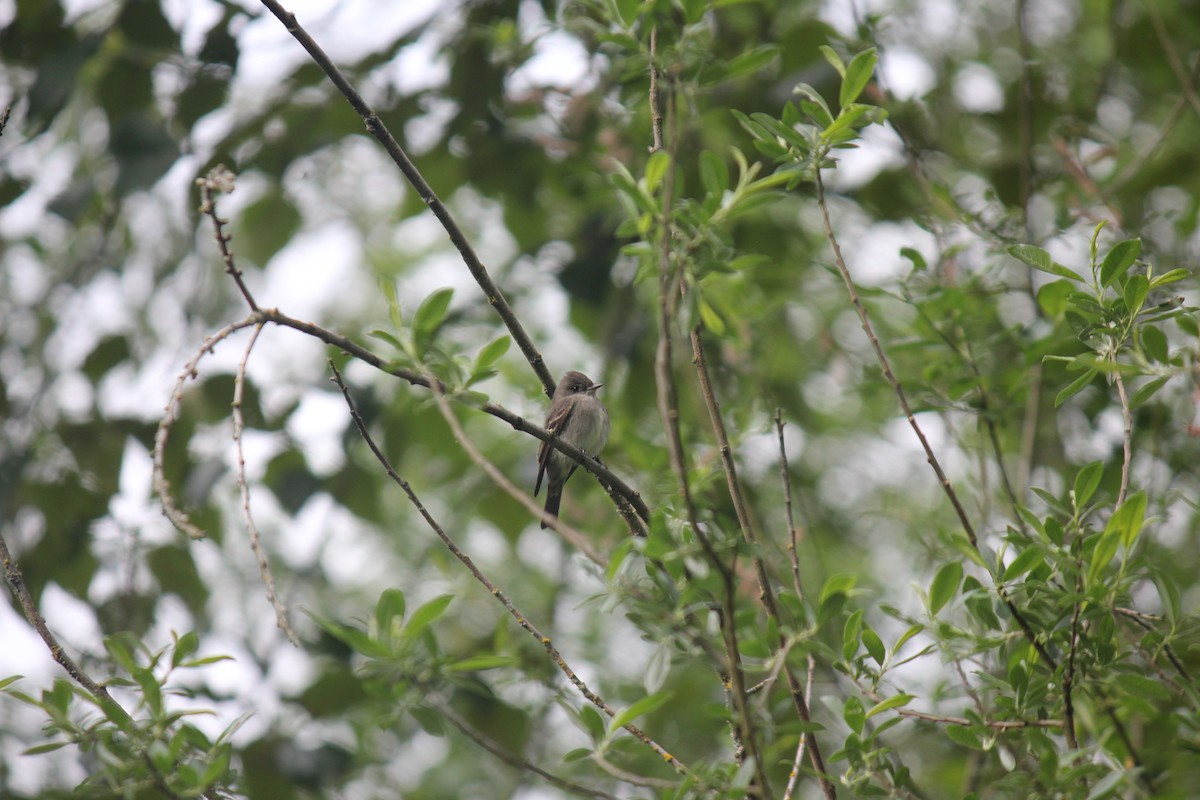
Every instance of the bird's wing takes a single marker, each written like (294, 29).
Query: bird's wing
(554, 423)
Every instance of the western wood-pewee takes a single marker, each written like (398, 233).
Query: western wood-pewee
(578, 418)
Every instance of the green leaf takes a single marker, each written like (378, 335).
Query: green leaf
(1119, 259)
(857, 75)
(1052, 298)
(1147, 390)
(356, 640)
(1087, 481)
(390, 605)
(184, 646)
(491, 352)
(711, 319)
(1154, 342)
(643, 706)
(944, 586)
(853, 714)
(834, 59)
(1170, 277)
(713, 173)
(592, 722)
(432, 312)
(1135, 291)
(628, 10)
(914, 256)
(119, 653)
(841, 583)
(874, 644)
(482, 662)
(1039, 259)
(1026, 560)
(1129, 518)
(823, 117)
(43, 748)
(656, 167)
(578, 754)
(426, 614)
(964, 736)
(851, 634)
(904, 637)
(1122, 528)
(750, 62)
(1075, 387)
(896, 701)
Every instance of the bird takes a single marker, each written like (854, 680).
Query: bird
(578, 418)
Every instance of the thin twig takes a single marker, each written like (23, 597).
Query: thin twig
(1000, 724)
(492, 589)
(264, 565)
(786, 478)
(656, 115)
(514, 760)
(221, 179)
(376, 128)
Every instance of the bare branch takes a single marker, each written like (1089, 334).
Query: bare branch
(239, 424)
(377, 129)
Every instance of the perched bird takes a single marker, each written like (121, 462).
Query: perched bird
(578, 418)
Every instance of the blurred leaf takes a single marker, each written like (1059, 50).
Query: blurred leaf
(1087, 481)
(856, 76)
(1039, 259)
(944, 586)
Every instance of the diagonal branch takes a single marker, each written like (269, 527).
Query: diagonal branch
(377, 129)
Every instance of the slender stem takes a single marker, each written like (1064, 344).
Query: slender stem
(786, 478)
(239, 424)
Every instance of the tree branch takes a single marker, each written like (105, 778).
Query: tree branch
(377, 129)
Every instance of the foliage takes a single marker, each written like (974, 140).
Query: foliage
(901, 366)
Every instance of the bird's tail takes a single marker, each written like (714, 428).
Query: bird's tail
(553, 498)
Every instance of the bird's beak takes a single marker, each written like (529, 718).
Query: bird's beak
(595, 386)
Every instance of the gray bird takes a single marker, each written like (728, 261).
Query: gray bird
(578, 418)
